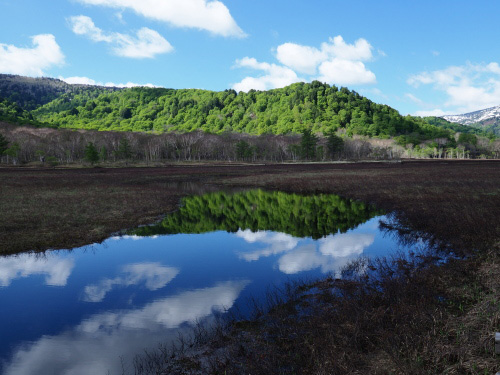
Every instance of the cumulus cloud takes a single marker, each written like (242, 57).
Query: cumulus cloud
(44, 54)
(208, 15)
(153, 275)
(335, 62)
(274, 76)
(146, 44)
(467, 88)
(345, 72)
(56, 270)
(303, 59)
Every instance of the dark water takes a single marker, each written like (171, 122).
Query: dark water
(83, 311)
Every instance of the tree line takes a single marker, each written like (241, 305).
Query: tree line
(27, 144)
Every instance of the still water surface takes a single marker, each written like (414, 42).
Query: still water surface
(83, 311)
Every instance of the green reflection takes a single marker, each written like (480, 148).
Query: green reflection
(301, 216)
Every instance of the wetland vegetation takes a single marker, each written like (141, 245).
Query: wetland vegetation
(407, 315)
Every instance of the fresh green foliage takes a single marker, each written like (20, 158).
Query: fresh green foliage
(334, 143)
(313, 216)
(318, 107)
(91, 154)
(308, 144)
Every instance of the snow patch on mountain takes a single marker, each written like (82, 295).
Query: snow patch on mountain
(475, 117)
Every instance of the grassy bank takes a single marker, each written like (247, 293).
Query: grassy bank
(410, 316)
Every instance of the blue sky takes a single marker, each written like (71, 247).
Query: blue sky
(425, 57)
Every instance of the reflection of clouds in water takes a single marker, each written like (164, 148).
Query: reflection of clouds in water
(301, 259)
(154, 275)
(279, 243)
(345, 244)
(334, 252)
(96, 345)
(170, 312)
(56, 270)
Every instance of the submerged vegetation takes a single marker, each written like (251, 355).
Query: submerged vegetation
(298, 215)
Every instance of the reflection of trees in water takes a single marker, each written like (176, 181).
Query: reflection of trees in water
(397, 226)
(302, 216)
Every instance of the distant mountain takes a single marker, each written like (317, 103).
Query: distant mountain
(30, 93)
(475, 117)
(487, 119)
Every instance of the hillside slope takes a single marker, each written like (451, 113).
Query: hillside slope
(30, 93)
(291, 109)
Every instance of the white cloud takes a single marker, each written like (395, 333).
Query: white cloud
(275, 76)
(153, 275)
(56, 270)
(303, 59)
(209, 15)
(146, 44)
(98, 343)
(346, 72)
(89, 81)
(33, 61)
(336, 61)
(361, 50)
(467, 88)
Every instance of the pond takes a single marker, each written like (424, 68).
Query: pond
(91, 310)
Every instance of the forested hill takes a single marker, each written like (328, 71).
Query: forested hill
(30, 93)
(316, 106)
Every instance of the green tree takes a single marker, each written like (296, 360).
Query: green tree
(334, 143)
(243, 150)
(91, 154)
(467, 138)
(308, 144)
(4, 144)
(13, 152)
(126, 113)
(124, 149)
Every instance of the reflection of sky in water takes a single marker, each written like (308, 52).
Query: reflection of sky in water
(78, 312)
